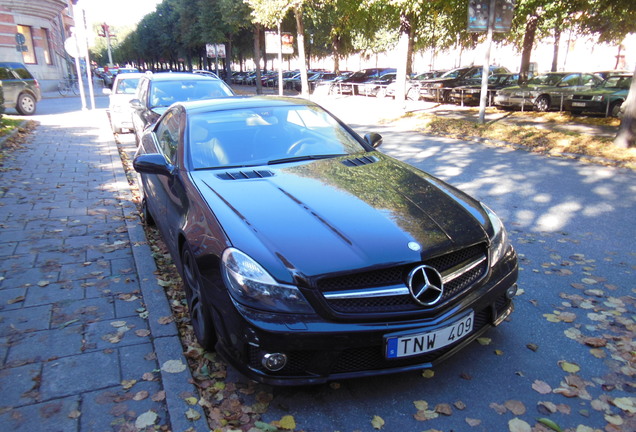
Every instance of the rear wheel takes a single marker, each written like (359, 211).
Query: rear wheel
(200, 315)
(542, 104)
(413, 94)
(26, 104)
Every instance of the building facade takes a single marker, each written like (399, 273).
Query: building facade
(33, 32)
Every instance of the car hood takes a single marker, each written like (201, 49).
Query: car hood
(340, 214)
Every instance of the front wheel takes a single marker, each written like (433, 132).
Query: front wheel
(200, 314)
(615, 108)
(542, 104)
(26, 104)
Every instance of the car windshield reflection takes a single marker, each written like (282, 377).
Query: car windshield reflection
(270, 135)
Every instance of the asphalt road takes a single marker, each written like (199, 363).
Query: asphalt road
(567, 352)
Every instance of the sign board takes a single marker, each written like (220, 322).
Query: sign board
(70, 45)
(215, 50)
(478, 11)
(271, 42)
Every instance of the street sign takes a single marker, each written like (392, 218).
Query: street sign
(478, 15)
(70, 45)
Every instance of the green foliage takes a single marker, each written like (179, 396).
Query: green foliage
(1, 101)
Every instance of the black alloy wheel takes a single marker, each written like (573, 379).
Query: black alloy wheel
(542, 104)
(199, 310)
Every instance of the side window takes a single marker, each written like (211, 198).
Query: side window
(168, 136)
(570, 80)
(589, 80)
(5, 74)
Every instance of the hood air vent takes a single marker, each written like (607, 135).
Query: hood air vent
(243, 175)
(366, 160)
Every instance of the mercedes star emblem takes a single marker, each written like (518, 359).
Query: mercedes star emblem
(425, 285)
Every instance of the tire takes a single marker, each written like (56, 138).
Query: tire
(200, 316)
(615, 109)
(542, 103)
(26, 104)
(145, 213)
(63, 89)
(576, 112)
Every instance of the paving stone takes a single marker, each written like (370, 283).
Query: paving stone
(7, 248)
(112, 408)
(12, 298)
(54, 292)
(113, 334)
(86, 311)
(17, 262)
(136, 360)
(51, 416)
(4, 348)
(19, 385)
(26, 278)
(46, 345)
(25, 319)
(81, 373)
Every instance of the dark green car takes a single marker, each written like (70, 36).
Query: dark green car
(606, 98)
(21, 90)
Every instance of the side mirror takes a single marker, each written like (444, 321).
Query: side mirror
(153, 163)
(136, 104)
(373, 139)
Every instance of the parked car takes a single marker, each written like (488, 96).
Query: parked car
(21, 90)
(606, 74)
(606, 98)
(377, 87)
(119, 109)
(471, 94)
(306, 254)
(350, 84)
(412, 89)
(547, 91)
(439, 89)
(157, 91)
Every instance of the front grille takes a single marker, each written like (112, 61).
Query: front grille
(395, 277)
(582, 98)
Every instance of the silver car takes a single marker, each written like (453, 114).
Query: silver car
(119, 109)
(547, 91)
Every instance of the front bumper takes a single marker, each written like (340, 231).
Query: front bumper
(320, 350)
(525, 102)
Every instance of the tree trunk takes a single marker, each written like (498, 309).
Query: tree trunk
(257, 57)
(528, 43)
(557, 41)
(403, 53)
(409, 64)
(626, 136)
(336, 53)
(300, 28)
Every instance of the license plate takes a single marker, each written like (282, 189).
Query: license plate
(578, 104)
(420, 343)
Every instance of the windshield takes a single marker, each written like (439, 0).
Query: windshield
(547, 79)
(260, 136)
(455, 73)
(165, 93)
(617, 82)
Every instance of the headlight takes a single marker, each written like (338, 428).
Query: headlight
(499, 242)
(252, 286)
(598, 98)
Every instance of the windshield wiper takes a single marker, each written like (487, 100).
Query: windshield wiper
(302, 158)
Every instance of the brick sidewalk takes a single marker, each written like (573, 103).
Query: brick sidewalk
(82, 344)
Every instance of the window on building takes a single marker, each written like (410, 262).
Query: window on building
(46, 46)
(28, 56)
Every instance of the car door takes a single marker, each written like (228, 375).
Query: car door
(10, 86)
(568, 85)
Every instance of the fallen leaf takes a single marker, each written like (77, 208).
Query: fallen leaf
(192, 414)
(118, 324)
(288, 422)
(444, 409)
(127, 384)
(569, 367)
(377, 422)
(140, 395)
(541, 387)
(165, 320)
(499, 409)
(146, 419)
(159, 396)
(484, 340)
(473, 422)
(16, 300)
(421, 405)
(191, 400)
(428, 373)
(516, 407)
(173, 366)
(460, 405)
(550, 423)
(142, 332)
(595, 342)
(532, 347)
(74, 414)
(626, 404)
(518, 425)
(265, 427)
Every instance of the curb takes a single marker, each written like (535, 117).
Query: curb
(166, 340)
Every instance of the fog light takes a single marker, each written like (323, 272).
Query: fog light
(512, 291)
(274, 361)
